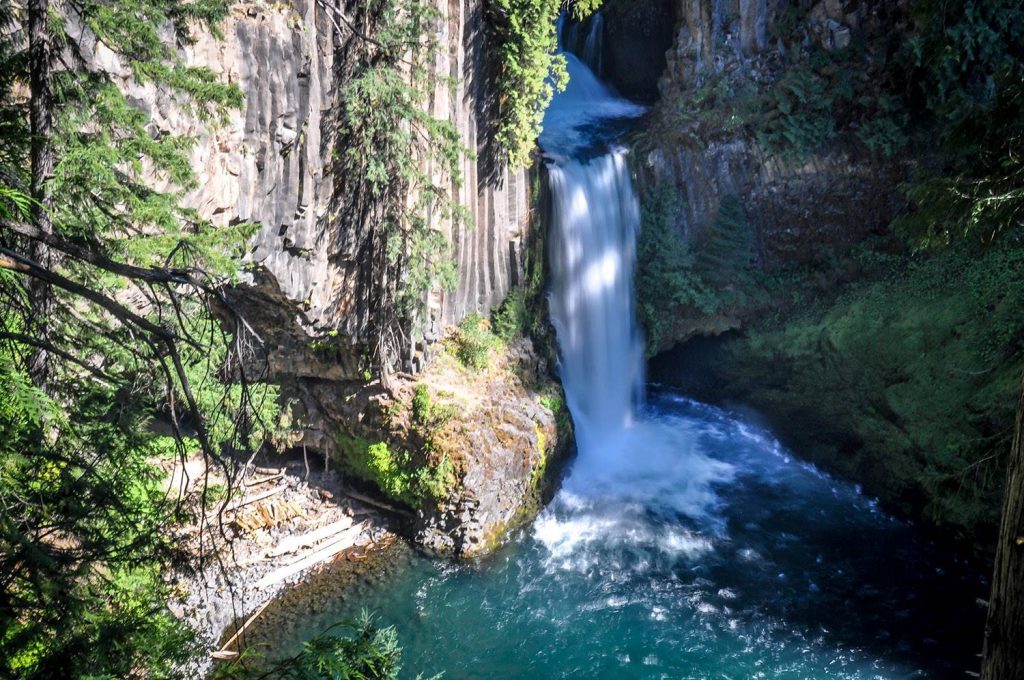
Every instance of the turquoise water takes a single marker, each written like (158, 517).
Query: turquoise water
(787, 574)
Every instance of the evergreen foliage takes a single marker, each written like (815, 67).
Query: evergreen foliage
(135, 339)
(967, 60)
(349, 650)
(666, 276)
(512, 317)
(531, 71)
(906, 381)
(390, 148)
(474, 342)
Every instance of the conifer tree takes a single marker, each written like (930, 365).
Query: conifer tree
(113, 320)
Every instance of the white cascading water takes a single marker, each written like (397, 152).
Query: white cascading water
(591, 51)
(593, 47)
(630, 472)
(596, 216)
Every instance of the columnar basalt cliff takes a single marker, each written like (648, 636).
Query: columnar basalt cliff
(709, 64)
(272, 164)
(798, 204)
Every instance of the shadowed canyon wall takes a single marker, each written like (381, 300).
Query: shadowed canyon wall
(796, 294)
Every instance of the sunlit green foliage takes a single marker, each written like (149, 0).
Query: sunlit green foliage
(474, 342)
(530, 70)
(427, 413)
(402, 476)
(134, 359)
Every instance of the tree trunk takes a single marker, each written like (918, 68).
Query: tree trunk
(41, 122)
(41, 113)
(1003, 657)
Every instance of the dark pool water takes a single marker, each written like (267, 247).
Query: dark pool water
(717, 556)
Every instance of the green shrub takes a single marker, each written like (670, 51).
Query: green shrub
(667, 278)
(426, 413)
(396, 472)
(512, 317)
(436, 482)
(390, 471)
(422, 405)
(350, 649)
(474, 341)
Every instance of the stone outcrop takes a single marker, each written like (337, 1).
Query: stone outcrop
(510, 443)
(504, 431)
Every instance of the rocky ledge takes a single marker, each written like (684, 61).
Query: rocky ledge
(464, 454)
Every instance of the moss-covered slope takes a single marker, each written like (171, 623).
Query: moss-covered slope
(905, 382)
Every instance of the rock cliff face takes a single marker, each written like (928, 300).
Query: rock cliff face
(859, 358)
(797, 209)
(272, 163)
(798, 206)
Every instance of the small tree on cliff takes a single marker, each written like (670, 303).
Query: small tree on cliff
(399, 166)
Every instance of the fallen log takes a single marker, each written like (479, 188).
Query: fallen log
(264, 480)
(377, 504)
(294, 543)
(342, 541)
(238, 633)
(253, 499)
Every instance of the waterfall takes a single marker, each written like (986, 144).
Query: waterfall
(627, 465)
(593, 47)
(596, 214)
(595, 221)
(591, 51)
